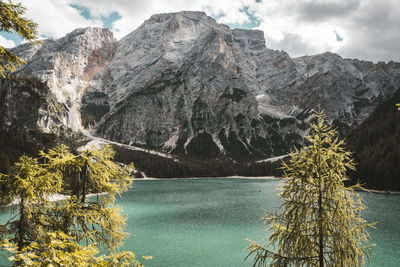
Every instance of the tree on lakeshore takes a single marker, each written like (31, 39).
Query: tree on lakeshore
(12, 21)
(320, 223)
(52, 232)
(29, 184)
(90, 220)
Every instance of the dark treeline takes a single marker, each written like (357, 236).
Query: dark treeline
(376, 147)
(17, 142)
(160, 167)
(260, 169)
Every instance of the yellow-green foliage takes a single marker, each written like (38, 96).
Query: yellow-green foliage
(320, 223)
(12, 20)
(46, 231)
(89, 219)
(58, 249)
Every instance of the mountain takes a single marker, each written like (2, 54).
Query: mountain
(67, 65)
(31, 118)
(183, 84)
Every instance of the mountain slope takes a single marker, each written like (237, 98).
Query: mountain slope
(187, 80)
(30, 118)
(68, 64)
(184, 84)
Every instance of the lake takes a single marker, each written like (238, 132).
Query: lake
(205, 222)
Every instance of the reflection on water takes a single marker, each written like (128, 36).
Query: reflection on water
(205, 222)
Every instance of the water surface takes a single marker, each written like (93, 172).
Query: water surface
(205, 222)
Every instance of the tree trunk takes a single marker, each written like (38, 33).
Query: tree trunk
(321, 236)
(320, 230)
(84, 182)
(21, 226)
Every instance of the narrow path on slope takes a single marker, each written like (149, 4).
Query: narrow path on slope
(98, 141)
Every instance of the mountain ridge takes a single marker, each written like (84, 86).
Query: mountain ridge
(185, 84)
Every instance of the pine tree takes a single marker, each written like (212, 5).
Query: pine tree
(12, 21)
(29, 184)
(320, 223)
(89, 220)
(55, 232)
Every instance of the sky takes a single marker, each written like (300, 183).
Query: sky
(364, 29)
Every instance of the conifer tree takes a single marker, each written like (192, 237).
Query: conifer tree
(42, 230)
(29, 185)
(12, 21)
(90, 220)
(320, 223)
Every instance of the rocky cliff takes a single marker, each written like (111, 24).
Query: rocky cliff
(185, 84)
(68, 65)
(27, 104)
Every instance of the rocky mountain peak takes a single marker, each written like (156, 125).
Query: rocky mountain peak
(253, 39)
(87, 33)
(183, 15)
(181, 82)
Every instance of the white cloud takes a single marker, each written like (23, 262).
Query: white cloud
(6, 43)
(286, 29)
(310, 38)
(369, 28)
(135, 12)
(56, 17)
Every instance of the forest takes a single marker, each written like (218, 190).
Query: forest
(376, 147)
(160, 167)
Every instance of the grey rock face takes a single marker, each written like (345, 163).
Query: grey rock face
(183, 83)
(27, 103)
(182, 74)
(68, 64)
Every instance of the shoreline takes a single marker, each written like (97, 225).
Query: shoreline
(52, 198)
(375, 191)
(383, 192)
(198, 178)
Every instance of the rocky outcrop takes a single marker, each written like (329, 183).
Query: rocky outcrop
(68, 64)
(185, 84)
(27, 104)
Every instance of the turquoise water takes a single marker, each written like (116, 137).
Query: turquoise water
(205, 222)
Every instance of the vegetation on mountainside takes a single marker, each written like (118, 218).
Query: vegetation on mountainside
(376, 146)
(94, 105)
(320, 223)
(21, 97)
(194, 167)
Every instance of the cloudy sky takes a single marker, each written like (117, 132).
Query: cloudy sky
(365, 29)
